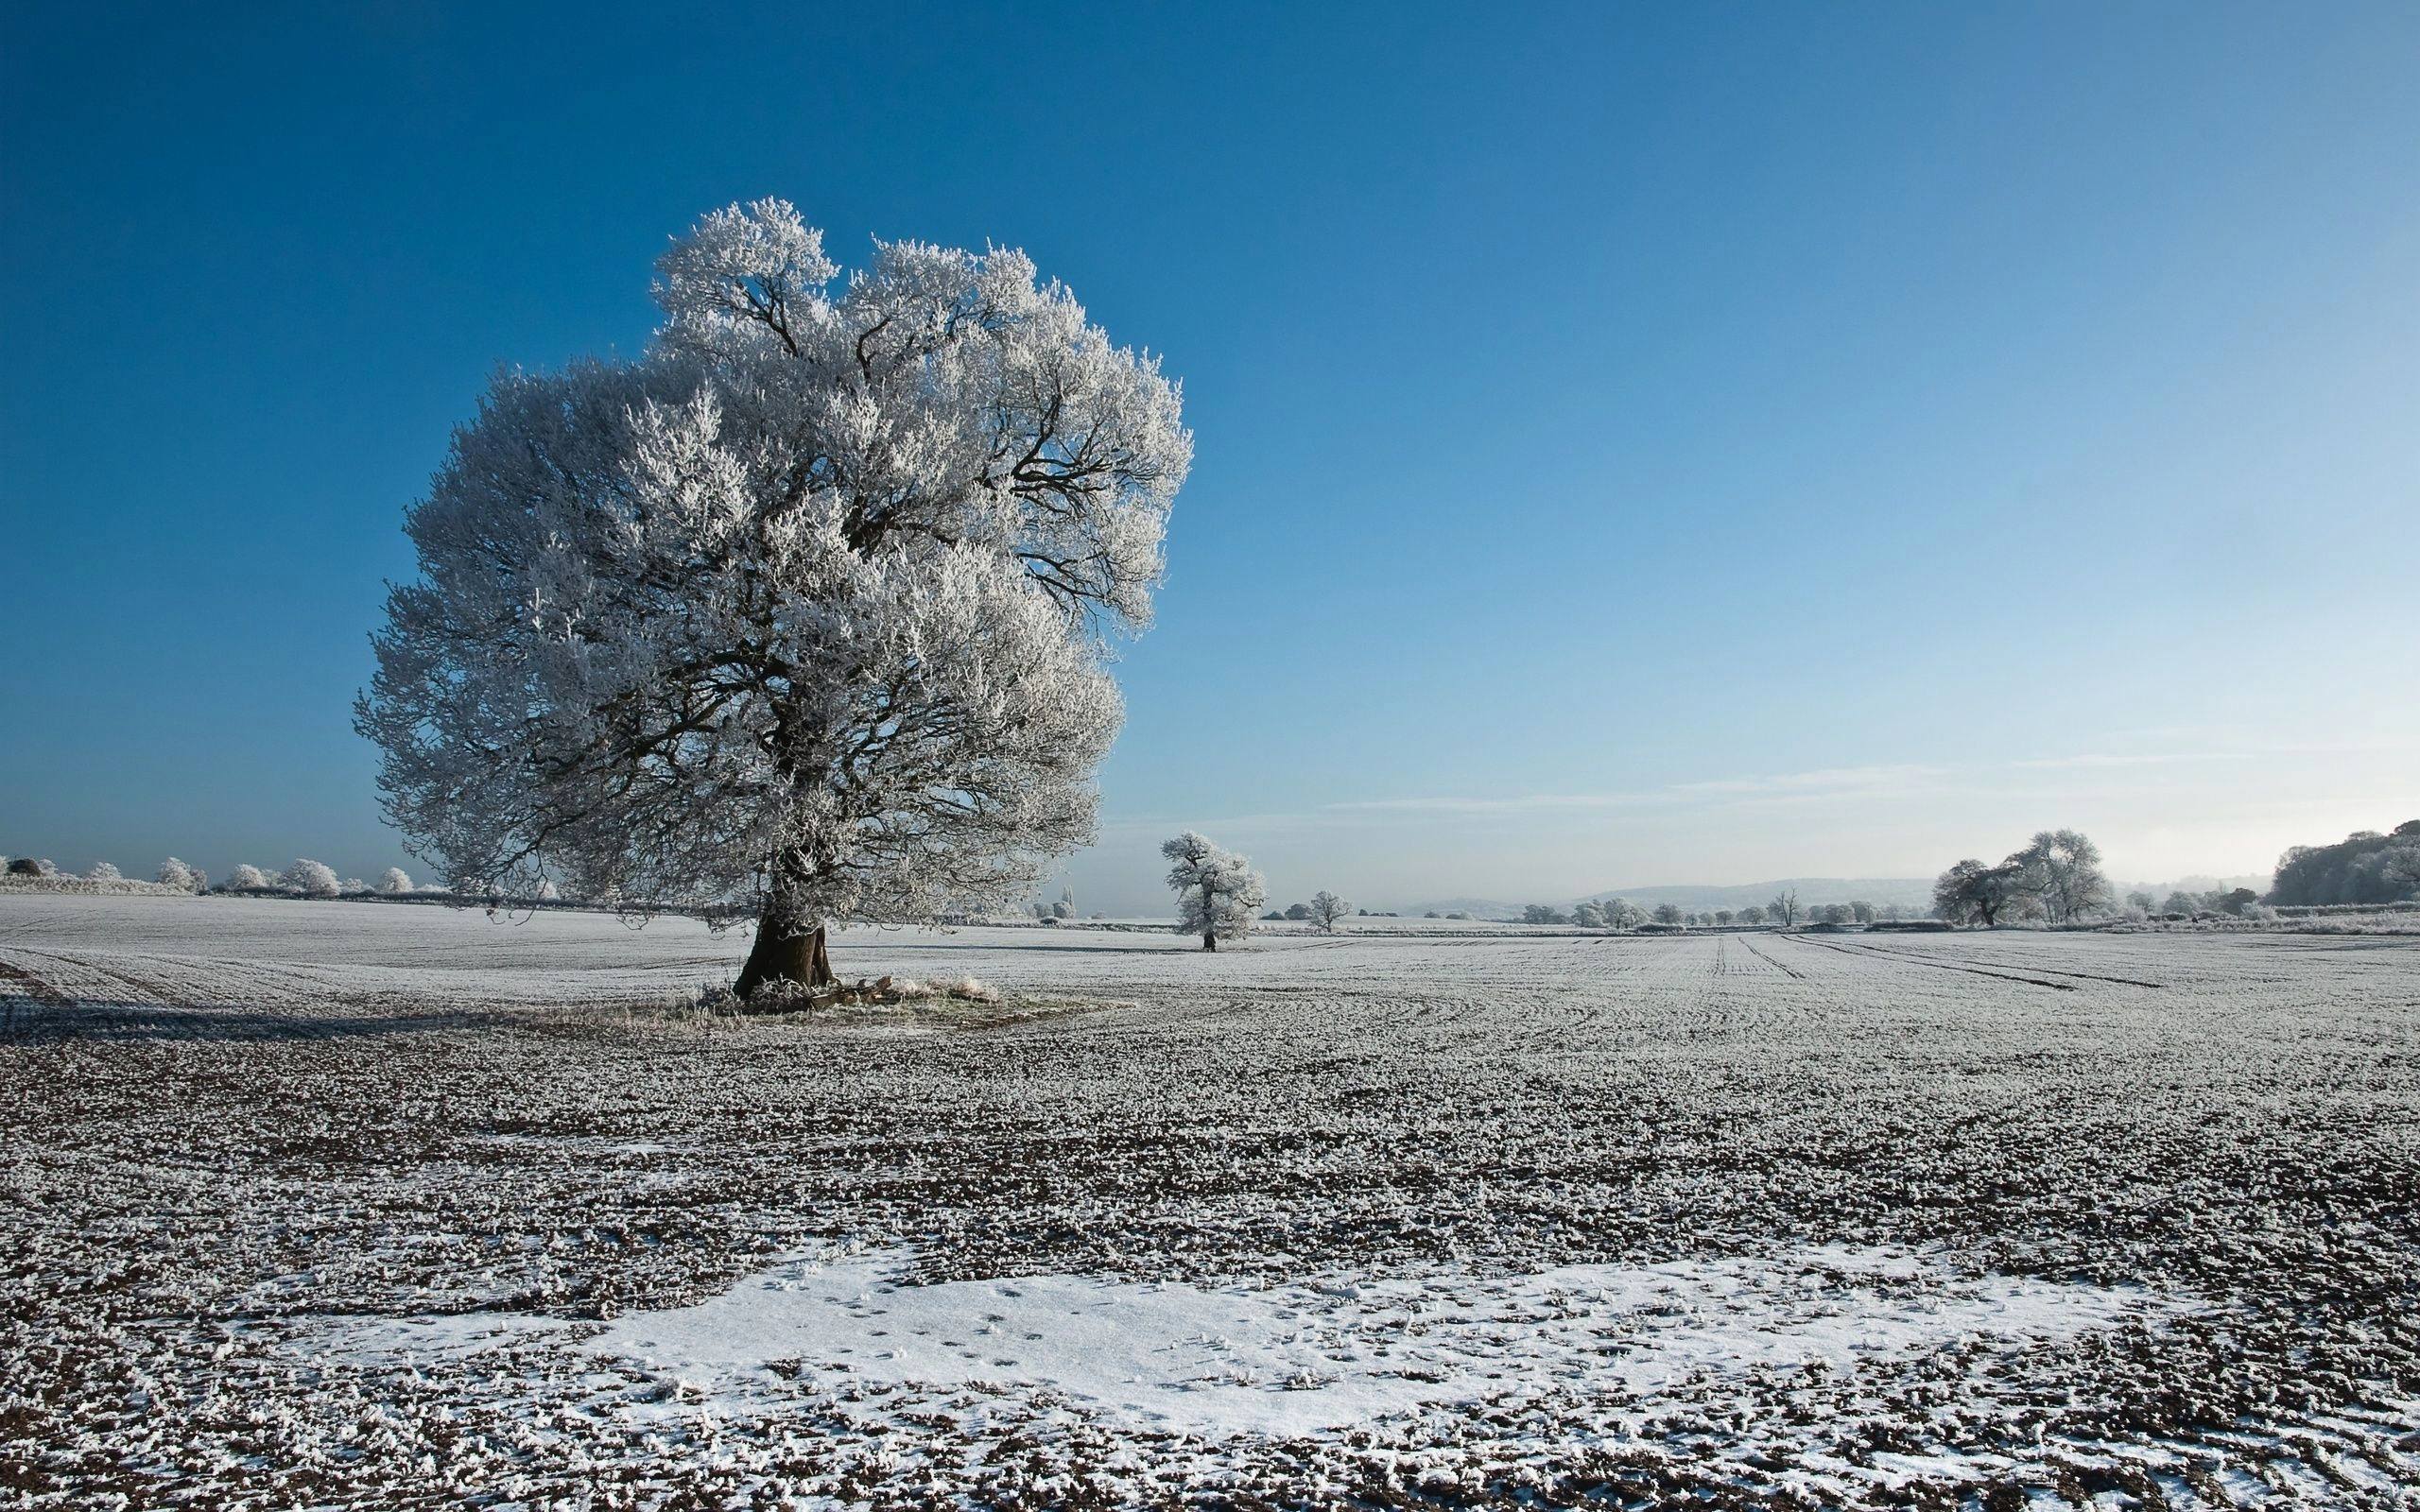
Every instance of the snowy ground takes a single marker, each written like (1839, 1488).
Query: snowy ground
(330, 1204)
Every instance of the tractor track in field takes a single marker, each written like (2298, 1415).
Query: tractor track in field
(1873, 954)
(2032, 965)
(1792, 972)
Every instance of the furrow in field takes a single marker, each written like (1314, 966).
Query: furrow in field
(1870, 954)
(1979, 959)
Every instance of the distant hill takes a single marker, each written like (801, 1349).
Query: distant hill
(1908, 892)
(2161, 889)
(1475, 907)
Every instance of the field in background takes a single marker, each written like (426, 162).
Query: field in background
(328, 1202)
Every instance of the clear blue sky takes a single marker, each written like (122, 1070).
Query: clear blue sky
(1635, 444)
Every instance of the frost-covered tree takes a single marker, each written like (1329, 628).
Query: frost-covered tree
(1326, 909)
(312, 879)
(249, 876)
(175, 873)
(800, 614)
(104, 872)
(2061, 867)
(1973, 893)
(1620, 913)
(394, 878)
(1752, 915)
(1065, 906)
(1216, 892)
(1722, 915)
(1588, 914)
(1668, 913)
(1862, 912)
(1783, 910)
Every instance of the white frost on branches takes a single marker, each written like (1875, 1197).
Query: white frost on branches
(312, 879)
(1326, 909)
(176, 874)
(394, 878)
(1218, 894)
(805, 608)
(102, 872)
(249, 876)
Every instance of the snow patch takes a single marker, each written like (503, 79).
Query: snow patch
(1324, 1355)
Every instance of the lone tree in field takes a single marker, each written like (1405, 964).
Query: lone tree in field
(1326, 909)
(1783, 910)
(1216, 893)
(802, 613)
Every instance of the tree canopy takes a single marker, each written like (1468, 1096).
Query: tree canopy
(803, 611)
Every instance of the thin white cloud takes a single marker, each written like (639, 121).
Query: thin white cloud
(1523, 803)
(2147, 759)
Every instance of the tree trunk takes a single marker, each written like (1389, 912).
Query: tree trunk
(1209, 940)
(790, 941)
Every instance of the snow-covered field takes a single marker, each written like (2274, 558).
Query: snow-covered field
(327, 1204)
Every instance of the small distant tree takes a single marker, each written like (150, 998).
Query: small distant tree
(1216, 892)
(1723, 916)
(1841, 913)
(1065, 906)
(312, 879)
(1783, 910)
(2181, 901)
(1431, 914)
(103, 871)
(1588, 914)
(248, 876)
(1668, 913)
(1862, 913)
(1543, 914)
(1620, 913)
(394, 878)
(175, 873)
(1752, 915)
(1298, 913)
(1326, 909)
(25, 867)
(2139, 898)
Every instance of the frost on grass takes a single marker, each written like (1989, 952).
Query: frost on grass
(359, 1206)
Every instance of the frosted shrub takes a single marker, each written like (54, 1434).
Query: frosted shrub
(312, 879)
(175, 873)
(103, 871)
(394, 878)
(248, 876)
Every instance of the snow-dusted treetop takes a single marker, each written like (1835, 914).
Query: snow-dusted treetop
(804, 610)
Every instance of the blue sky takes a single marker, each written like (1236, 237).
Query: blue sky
(1635, 444)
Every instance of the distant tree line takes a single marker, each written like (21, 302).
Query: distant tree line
(2364, 868)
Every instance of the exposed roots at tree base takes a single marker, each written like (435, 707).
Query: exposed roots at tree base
(786, 996)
